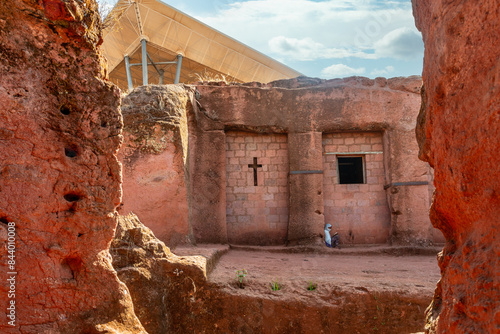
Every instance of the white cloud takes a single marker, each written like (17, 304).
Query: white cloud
(105, 6)
(338, 26)
(307, 49)
(385, 71)
(305, 33)
(341, 70)
(401, 43)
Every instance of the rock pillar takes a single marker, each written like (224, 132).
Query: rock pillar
(407, 187)
(306, 220)
(208, 186)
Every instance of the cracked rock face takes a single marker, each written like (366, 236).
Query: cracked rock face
(458, 133)
(60, 128)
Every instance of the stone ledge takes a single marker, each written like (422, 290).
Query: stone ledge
(211, 252)
(345, 249)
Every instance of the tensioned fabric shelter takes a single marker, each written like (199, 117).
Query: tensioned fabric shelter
(150, 42)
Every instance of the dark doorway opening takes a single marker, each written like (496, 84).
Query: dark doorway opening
(351, 170)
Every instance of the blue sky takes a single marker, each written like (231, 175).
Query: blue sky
(320, 38)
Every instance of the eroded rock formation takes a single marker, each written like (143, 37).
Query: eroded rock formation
(60, 129)
(164, 287)
(154, 156)
(458, 133)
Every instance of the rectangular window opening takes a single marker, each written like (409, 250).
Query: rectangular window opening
(351, 170)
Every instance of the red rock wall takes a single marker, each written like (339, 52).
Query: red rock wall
(458, 133)
(60, 128)
(154, 158)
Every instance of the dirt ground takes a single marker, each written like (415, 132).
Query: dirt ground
(343, 271)
(368, 289)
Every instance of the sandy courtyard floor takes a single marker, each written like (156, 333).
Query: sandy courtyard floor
(333, 271)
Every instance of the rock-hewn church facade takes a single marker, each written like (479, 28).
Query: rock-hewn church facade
(271, 164)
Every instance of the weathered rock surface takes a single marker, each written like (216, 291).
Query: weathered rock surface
(154, 157)
(458, 133)
(162, 285)
(60, 179)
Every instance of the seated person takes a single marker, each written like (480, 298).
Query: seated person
(333, 241)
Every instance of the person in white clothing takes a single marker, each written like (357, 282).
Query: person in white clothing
(333, 241)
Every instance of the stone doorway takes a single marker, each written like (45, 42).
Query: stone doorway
(355, 206)
(256, 188)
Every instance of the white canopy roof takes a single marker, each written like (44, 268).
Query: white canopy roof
(168, 33)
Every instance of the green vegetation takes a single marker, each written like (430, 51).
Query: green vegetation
(275, 285)
(241, 278)
(312, 286)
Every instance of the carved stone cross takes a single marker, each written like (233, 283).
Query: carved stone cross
(254, 166)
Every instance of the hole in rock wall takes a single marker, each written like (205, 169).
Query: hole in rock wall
(4, 220)
(72, 197)
(70, 152)
(65, 110)
(70, 266)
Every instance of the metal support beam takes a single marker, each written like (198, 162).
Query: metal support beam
(144, 62)
(178, 71)
(160, 82)
(153, 63)
(157, 63)
(129, 74)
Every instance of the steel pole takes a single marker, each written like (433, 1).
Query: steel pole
(144, 62)
(178, 71)
(129, 74)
